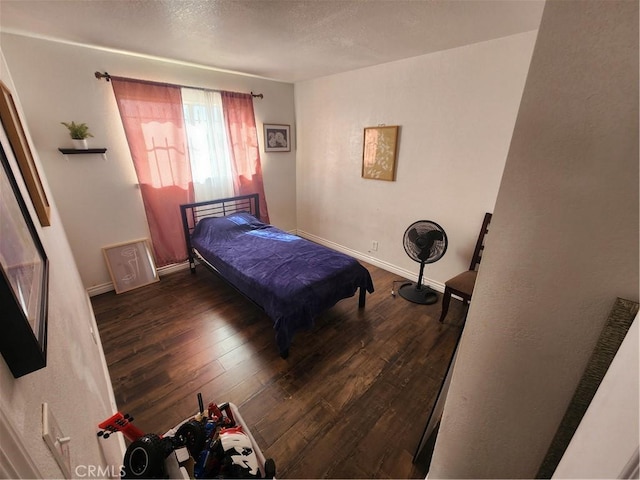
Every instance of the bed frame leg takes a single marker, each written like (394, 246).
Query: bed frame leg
(362, 299)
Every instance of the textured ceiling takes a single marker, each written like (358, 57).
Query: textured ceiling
(287, 40)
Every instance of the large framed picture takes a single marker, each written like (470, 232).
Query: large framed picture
(24, 277)
(131, 265)
(20, 146)
(277, 138)
(379, 152)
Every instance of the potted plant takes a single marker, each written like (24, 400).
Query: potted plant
(79, 133)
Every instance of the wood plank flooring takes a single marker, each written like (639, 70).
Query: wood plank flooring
(351, 401)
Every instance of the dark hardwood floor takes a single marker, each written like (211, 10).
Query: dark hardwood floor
(351, 401)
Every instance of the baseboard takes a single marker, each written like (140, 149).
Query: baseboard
(175, 267)
(108, 287)
(402, 272)
(389, 267)
(100, 289)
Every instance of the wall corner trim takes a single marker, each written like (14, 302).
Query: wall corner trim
(15, 461)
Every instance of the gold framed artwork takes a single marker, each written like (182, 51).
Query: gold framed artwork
(379, 152)
(15, 132)
(131, 265)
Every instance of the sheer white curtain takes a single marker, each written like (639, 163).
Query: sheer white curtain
(208, 145)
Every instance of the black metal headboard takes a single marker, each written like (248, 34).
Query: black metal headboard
(192, 213)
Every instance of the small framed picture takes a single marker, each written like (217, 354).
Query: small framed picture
(130, 265)
(277, 138)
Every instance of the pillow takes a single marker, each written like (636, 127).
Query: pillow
(235, 223)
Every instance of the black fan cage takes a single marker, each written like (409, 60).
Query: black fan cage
(423, 227)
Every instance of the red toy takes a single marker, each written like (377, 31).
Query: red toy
(219, 447)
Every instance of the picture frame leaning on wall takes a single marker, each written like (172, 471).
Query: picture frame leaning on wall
(131, 265)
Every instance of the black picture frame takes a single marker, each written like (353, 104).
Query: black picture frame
(277, 137)
(24, 280)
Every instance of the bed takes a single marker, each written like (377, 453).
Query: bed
(292, 279)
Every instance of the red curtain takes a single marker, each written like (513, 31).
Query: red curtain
(245, 154)
(154, 125)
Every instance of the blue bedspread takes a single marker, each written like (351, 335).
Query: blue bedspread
(291, 278)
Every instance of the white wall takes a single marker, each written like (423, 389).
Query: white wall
(456, 110)
(564, 245)
(98, 201)
(75, 383)
(607, 437)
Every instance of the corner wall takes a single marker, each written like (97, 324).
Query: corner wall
(456, 110)
(608, 434)
(99, 201)
(564, 245)
(75, 383)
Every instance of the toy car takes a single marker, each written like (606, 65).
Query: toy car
(209, 445)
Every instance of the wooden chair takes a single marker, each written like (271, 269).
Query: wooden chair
(462, 285)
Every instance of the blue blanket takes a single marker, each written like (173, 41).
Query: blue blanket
(291, 278)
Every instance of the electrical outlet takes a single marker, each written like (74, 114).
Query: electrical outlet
(374, 245)
(57, 442)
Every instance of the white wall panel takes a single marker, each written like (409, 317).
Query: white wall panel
(456, 110)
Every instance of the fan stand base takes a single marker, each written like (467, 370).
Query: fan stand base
(418, 294)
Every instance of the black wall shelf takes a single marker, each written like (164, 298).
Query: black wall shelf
(73, 151)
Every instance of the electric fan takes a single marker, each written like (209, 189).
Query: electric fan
(425, 242)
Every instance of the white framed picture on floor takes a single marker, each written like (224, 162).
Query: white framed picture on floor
(131, 265)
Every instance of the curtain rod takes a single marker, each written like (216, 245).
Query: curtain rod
(108, 78)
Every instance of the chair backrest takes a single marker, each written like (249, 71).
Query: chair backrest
(477, 253)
